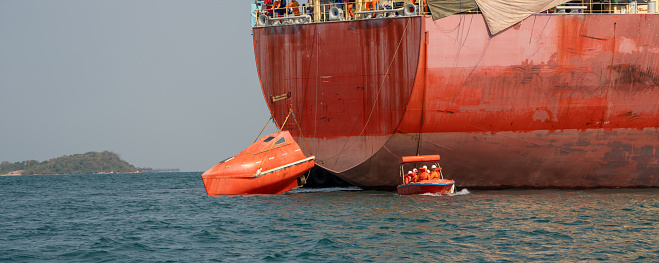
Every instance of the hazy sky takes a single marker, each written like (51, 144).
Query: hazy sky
(165, 84)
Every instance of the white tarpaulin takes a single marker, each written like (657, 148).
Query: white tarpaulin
(501, 14)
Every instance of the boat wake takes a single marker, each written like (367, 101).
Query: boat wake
(464, 191)
(323, 190)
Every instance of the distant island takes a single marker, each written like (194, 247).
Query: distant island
(88, 163)
(151, 170)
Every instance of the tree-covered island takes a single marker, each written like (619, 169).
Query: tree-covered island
(88, 163)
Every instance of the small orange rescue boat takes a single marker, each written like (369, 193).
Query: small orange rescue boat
(272, 165)
(435, 185)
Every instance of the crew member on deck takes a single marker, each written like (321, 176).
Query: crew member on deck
(294, 6)
(276, 5)
(371, 4)
(267, 7)
(349, 5)
(307, 10)
(415, 173)
(425, 5)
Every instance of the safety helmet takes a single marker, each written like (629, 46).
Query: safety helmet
(425, 167)
(414, 170)
(433, 166)
(409, 172)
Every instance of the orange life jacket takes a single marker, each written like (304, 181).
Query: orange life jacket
(424, 174)
(294, 5)
(438, 170)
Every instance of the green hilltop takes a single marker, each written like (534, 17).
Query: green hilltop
(88, 163)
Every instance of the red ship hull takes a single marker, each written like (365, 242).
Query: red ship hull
(556, 101)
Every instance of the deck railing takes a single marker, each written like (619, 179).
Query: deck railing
(333, 12)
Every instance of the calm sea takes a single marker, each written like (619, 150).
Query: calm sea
(168, 217)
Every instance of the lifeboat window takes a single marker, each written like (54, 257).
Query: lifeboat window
(227, 159)
(268, 139)
(280, 141)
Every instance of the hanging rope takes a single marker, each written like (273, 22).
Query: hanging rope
(285, 120)
(266, 125)
(377, 95)
(424, 140)
(300, 129)
(272, 145)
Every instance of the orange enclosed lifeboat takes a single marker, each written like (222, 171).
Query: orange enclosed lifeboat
(272, 165)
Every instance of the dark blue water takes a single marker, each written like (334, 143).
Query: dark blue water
(168, 217)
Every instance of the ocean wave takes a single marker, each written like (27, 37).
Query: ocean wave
(323, 190)
(464, 191)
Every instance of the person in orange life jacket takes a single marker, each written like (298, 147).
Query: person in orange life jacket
(349, 5)
(409, 177)
(415, 173)
(435, 172)
(424, 173)
(372, 4)
(294, 6)
(425, 5)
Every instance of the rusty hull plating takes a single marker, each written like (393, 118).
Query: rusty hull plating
(556, 101)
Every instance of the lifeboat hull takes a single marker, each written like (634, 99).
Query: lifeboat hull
(435, 186)
(276, 182)
(271, 165)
